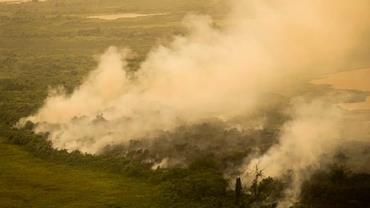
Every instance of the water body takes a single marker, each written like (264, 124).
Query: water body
(349, 80)
(124, 15)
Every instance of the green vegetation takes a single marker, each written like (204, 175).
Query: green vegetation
(200, 185)
(47, 44)
(27, 181)
(53, 43)
(338, 187)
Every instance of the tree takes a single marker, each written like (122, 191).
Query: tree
(238, 191)
(258, 174)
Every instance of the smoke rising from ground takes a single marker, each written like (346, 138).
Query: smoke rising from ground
(265, 47)
(306, 143)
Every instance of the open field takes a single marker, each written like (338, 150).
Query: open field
(26, 181)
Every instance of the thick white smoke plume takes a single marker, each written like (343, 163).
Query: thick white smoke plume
(265, 47)
(306, 144)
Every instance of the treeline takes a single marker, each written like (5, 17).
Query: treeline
(200, 184)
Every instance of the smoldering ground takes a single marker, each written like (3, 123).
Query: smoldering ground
(211, 74)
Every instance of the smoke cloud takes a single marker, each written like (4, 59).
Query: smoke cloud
(307, 143)
(264, 47)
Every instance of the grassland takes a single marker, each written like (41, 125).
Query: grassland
(26, 181)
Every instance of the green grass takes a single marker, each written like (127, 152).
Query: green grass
(26, 181)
